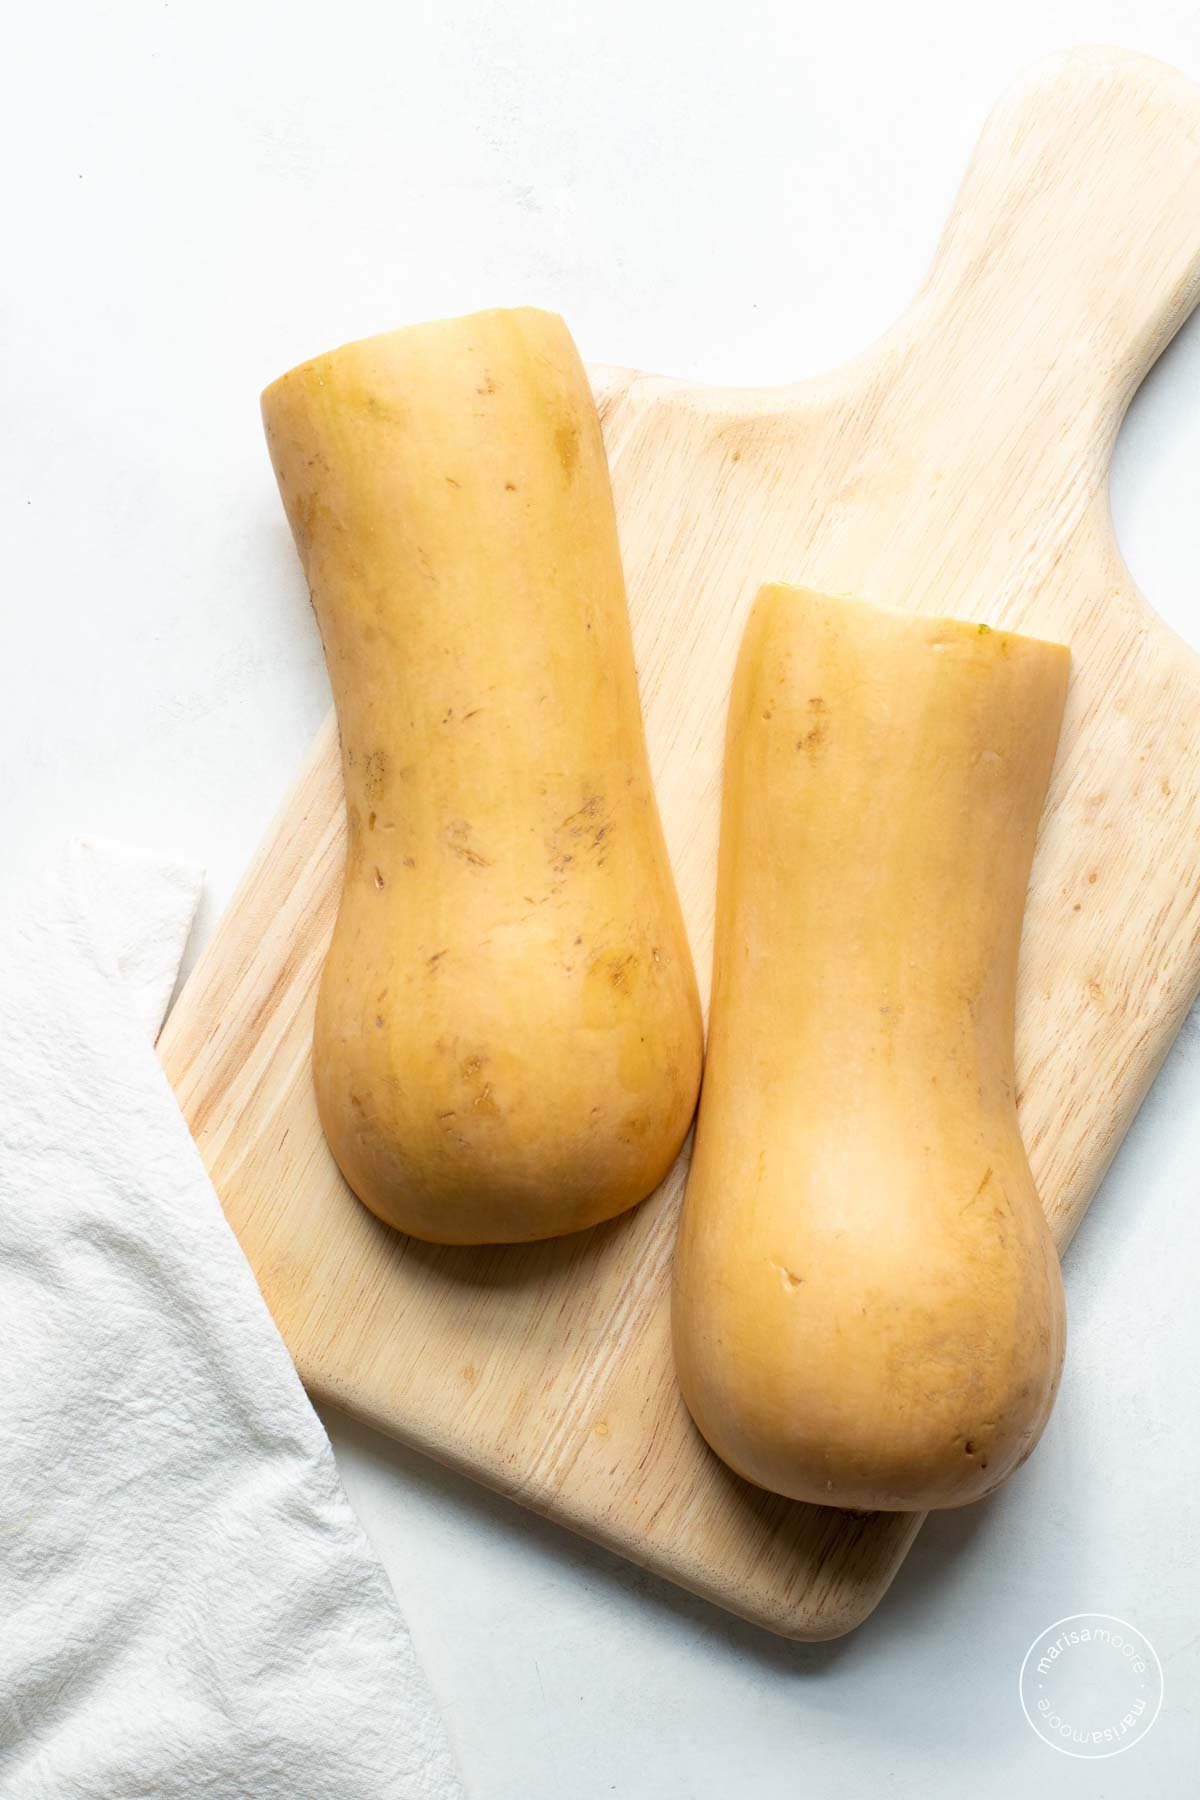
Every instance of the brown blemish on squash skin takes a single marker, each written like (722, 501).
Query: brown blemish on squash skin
(619, 972)
(457, 841)
(610, 988)
(379, 881)
(987, 1176)
(374, 773)
(376, 407)
(813, 739)
(583, 830)
(566, 443)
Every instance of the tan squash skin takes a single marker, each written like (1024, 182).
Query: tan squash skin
(508, 1034)
(868, 1310)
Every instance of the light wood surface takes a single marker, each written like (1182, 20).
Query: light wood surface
(960, 466)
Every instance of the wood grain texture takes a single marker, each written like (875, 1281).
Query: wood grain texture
(960, 466)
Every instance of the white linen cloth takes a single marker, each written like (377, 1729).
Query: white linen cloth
(188, 1609)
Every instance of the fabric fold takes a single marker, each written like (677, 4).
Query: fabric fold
(188, 1608)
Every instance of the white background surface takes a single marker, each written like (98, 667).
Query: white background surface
(199, 195)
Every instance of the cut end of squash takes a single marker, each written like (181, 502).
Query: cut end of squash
(432, 337)
(940, 631)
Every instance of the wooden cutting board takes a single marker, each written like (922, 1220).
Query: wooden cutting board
(960, 466)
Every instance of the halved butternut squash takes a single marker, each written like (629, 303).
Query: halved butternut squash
(868, 1310)
(508, 1035)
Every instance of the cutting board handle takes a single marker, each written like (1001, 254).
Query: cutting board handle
(1072, 255)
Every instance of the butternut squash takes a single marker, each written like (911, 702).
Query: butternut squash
(508, 1035)
(868, 1310)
